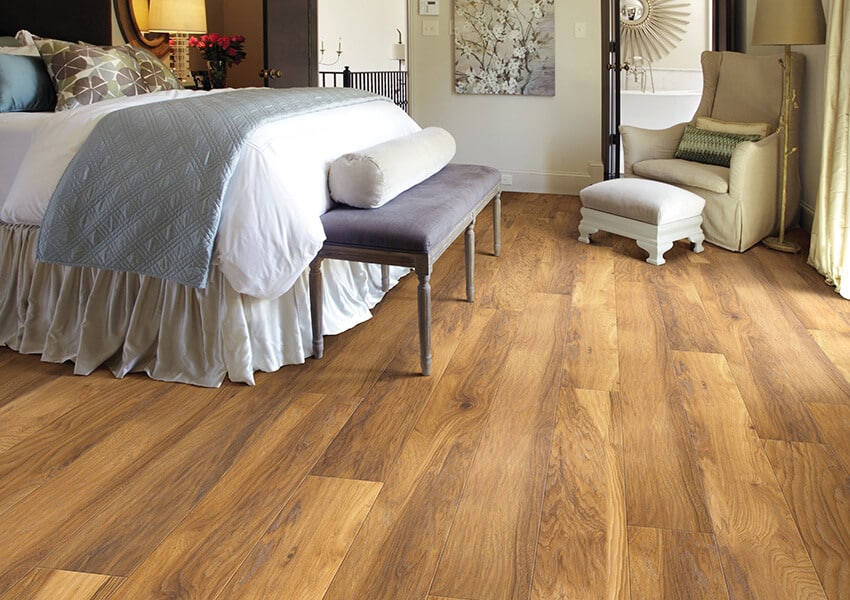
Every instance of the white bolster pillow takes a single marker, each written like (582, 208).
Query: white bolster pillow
(372, 177)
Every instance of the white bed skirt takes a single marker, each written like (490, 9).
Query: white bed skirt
(134, 323)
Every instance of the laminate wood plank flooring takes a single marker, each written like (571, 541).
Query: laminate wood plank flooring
(46, 584)
(761, 550)
(592, 351)
(664, 563)
(582, 547)
(594, 427)
(663, 488)
(816, 488)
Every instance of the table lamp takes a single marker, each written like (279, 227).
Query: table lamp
(178, 18)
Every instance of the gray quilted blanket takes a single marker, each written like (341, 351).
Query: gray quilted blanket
(144, 193)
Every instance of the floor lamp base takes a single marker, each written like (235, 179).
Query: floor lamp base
(782, 246)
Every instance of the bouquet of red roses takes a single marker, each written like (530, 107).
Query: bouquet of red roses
(215, 47)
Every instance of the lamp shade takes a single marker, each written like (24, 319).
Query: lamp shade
(177, 16)
(399, 52)
(789, 23)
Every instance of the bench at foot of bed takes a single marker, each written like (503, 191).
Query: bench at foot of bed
(411, 230)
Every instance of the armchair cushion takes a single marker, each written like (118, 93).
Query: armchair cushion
(760, 129)
(710, 147)
(677, 171)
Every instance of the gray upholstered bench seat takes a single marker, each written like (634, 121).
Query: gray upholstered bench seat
(411, 230)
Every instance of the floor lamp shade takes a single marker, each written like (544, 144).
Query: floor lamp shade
(789, 22)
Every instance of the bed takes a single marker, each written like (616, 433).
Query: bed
(252, 313)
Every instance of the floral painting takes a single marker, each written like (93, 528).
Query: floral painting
(505, 47)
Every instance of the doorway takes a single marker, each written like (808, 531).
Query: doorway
(651, 62)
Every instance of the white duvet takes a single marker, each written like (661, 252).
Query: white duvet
(270, 226)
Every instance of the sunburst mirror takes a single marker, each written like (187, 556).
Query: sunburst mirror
(651, 28)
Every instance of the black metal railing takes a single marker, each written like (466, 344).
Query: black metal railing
(392, 84)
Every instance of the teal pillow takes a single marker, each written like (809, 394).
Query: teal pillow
(710, 147)
(25, 85)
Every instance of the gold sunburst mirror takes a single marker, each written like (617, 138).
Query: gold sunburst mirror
(132, 18)
(651, 28)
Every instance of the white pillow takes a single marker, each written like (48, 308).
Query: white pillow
(373, 176)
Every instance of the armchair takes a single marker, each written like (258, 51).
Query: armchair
(741, 201)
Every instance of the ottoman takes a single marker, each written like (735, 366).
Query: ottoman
(652, 213)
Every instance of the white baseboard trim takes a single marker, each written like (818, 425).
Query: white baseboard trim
(546, 182)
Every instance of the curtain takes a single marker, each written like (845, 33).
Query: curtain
(830, 245)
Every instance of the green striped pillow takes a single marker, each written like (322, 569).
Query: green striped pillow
(710, 147)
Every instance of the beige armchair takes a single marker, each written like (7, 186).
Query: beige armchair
(742, 200)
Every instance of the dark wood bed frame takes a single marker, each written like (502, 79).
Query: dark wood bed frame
(86, 20)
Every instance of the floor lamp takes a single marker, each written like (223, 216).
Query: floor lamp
(178, 18)
(787, 23)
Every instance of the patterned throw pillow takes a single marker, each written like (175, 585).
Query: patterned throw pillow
(710, 147)
(86, 74)
(157, 76)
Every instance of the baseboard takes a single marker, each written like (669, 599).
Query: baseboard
(807, 217)
(548, 182)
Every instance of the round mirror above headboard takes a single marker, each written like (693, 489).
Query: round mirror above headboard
(125, 14)
(650, 29)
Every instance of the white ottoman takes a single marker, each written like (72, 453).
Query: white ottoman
(652, 213)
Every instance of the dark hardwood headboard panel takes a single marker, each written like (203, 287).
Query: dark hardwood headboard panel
(73, 20)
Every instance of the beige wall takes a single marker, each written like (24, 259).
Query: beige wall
(546, 144)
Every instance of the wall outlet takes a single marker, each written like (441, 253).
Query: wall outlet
(430, 27)
(507, 179)
(580, 29)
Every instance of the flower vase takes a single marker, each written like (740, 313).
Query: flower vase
(218, 73)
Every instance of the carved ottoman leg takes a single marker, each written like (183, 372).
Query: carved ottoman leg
(316, 307)
(424, 306)
(469, 252)
(697, 239)
(656, 251)
(497, 224)
(585, 230)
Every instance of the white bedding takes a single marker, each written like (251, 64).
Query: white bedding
(270, 227)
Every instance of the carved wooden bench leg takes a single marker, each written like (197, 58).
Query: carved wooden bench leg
(497, 224)
(316, 307)
(423, 300)
(469, 253)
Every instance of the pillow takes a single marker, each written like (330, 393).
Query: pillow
(157, 76)
(7, 40)
(86, 74)
(374, 176)
(20, 50)
(25, 84)
(760, 129)
(709, 147)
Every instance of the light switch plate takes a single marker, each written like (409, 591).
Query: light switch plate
(430, 8)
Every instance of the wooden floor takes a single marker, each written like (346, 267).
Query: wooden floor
(595, 427)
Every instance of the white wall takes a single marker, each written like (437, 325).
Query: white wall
(367, 29)
(546, 144)
(697, 38)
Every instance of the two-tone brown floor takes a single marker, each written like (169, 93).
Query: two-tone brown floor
(595, 427)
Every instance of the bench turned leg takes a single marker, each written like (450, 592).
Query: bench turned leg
(423, 299)
(385, 278)
(497, 224)
(469, 253)
(316, 307)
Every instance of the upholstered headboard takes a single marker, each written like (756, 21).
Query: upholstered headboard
(87, 20)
